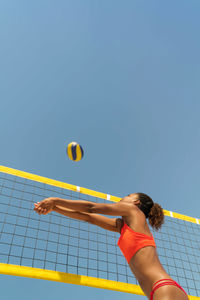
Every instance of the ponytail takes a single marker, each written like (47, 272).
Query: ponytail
(156, 216)
(153, 211)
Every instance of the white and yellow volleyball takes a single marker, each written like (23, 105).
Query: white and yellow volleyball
(75, 151)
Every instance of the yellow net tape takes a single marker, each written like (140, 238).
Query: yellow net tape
(54, 247)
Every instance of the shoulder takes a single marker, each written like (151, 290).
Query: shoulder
(125, 205)
(121, 208)
(137, 221)
(135, 218)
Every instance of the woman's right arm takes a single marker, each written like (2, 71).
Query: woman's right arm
(113, 209)
(112, 224)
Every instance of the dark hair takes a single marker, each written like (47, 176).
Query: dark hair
(153, 211)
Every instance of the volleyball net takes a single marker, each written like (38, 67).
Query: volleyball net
(54, 247)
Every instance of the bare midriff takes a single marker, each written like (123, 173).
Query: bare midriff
(147, 268)
(145, 263)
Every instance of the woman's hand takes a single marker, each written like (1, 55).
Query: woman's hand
(45, 206)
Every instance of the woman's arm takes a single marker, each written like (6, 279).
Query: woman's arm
(114, 209)
(95, 219)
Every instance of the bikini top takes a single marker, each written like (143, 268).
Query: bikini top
(131, 241)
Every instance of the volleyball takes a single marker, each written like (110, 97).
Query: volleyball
(75, 151)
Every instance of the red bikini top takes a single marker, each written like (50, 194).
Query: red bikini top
(131, 241)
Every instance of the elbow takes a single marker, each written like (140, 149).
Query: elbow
(92, 208)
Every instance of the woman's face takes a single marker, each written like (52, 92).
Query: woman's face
(131, 198)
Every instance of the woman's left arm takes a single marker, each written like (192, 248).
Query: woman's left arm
(113, 209)
(111, 224)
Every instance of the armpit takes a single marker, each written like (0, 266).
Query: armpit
(119, 224)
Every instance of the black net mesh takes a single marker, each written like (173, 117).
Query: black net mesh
(55, 242)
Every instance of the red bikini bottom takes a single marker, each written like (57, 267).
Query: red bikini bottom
(164, 282)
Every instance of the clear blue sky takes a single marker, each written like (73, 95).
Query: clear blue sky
(120, 78)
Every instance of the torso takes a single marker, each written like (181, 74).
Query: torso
(145, 264)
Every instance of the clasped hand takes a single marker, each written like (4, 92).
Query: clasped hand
(45, 206)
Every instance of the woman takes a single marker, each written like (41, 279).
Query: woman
(136, 241)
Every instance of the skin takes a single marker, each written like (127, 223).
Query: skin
(145, 264)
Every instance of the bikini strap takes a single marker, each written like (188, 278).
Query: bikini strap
(164, 282)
